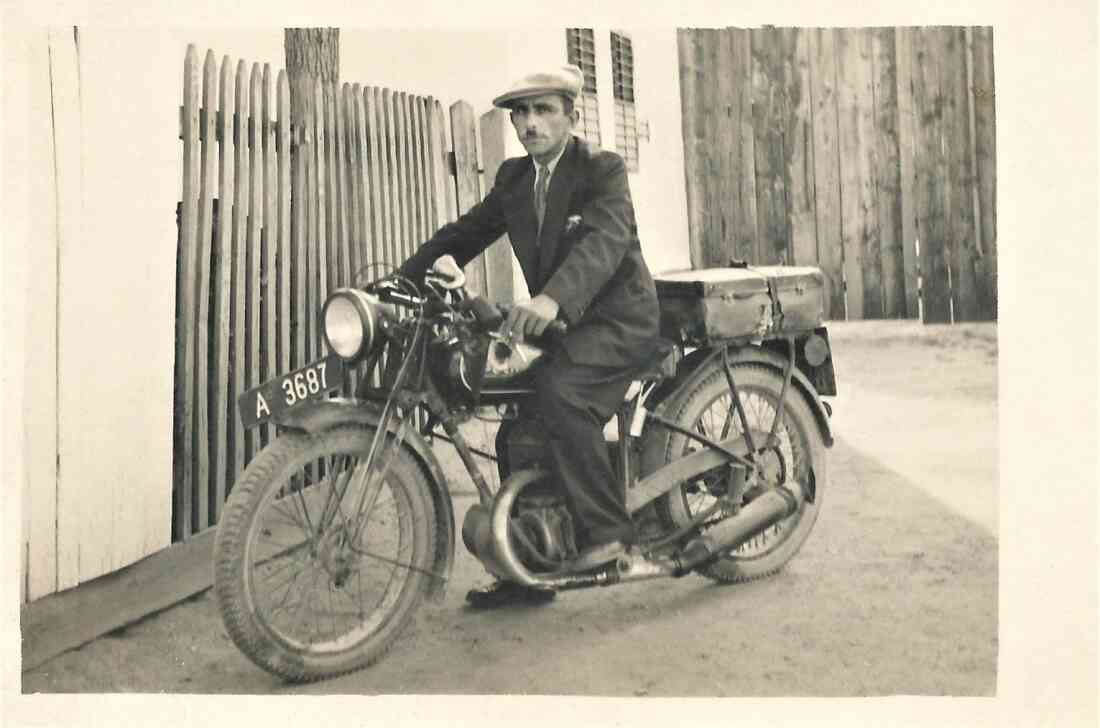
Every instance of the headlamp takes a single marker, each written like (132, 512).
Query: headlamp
(350, 321)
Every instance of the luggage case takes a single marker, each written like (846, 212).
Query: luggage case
(701, 307)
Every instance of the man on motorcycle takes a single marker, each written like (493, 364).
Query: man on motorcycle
(567, 210)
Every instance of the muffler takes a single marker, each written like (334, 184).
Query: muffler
(763, 512)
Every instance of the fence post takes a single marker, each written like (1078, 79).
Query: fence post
(222, 278)
(441, 151)
(907, 142)
(467, 184)
(201, 454)
(827, 168)
(495, 128)
(183, 445)
(984, 161)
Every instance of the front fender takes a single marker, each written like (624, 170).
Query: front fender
(319, 415)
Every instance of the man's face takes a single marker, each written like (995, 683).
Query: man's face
(542, 125)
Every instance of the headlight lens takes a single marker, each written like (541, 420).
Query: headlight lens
(350, 322)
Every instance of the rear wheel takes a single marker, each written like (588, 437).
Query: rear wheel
(796, 459)
(318, 566)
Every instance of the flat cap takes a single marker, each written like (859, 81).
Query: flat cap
(566, 80)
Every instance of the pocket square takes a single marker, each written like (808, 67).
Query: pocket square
(572, 223)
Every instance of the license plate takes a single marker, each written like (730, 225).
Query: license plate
(313, 381)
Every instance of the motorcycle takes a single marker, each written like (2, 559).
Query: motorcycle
(343, 524)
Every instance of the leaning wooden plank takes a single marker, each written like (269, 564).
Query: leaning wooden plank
(393, 181)
(388, 180)
(283, 259)
(254, 271)
(712, 242)
(239, 308)
(404, 170)
(200, 365)
(857, 201)
(299, 222)
(365, 254)
(798, 139)
(685, 44)
(715, 248)
(907, 140)
(335, 186)
(374, 158)
(420, 177)
(345, 196)
(748, 245)
(351, 166)
(958, 145)
(270, 243)
(319, 277)
(985, 161)
(886, 172)
(733, 77)
(931, 173)
(412, 191)
(467, 187)
(720, 247)
(183, 445)
(824, 98)
(423, 217)
(222, 279)
(769, 108)
(115, 600)
(430, 191)
(309, 262)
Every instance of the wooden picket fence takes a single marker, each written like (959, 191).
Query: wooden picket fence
(274, 216)
(868, 152)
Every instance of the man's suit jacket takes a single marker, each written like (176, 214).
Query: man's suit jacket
(592, 267)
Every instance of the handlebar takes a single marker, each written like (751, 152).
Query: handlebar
(489, 315)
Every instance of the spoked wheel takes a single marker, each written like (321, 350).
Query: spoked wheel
(319, 565)
(795, 459)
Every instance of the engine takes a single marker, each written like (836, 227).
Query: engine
(541, 528)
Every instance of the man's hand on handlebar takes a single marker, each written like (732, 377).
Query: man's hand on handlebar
(530, 318)
(446, 271)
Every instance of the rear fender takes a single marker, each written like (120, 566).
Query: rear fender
(697, 365)
(320, 415)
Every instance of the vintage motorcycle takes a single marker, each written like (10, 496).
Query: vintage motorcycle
(339, 528)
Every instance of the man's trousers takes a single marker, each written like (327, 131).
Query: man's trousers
(576, 401)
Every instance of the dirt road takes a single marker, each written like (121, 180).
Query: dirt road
(894, 593)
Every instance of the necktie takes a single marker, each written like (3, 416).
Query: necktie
(542, 185)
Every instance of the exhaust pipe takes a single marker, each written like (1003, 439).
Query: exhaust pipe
(761, 513)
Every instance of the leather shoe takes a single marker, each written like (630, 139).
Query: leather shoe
(503, 593)
(597, 555)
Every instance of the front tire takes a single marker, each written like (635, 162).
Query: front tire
(797, 460)
(307, 587)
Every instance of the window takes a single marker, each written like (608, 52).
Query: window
(626, 120)
(581, 50)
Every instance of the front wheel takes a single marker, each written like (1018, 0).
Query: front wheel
(795, 459)
(318, 566)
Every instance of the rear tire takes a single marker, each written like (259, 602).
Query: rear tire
(349, 589)
(800, 456)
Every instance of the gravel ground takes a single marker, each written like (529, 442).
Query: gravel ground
(895, 593)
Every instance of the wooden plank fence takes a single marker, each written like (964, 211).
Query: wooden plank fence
(273, 217)
(869, 152)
